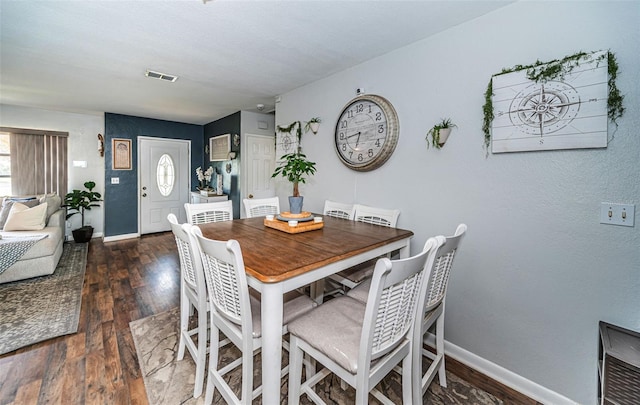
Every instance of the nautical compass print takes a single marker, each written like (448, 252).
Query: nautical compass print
(564, 113)
(544, 108)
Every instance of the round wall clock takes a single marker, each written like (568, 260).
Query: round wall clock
(366, 132)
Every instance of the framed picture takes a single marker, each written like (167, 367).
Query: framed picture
(121, 154)
(219, 147)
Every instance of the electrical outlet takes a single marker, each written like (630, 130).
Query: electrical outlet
(617, 214)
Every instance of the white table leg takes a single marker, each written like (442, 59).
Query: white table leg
(271, 342)
(404, 251)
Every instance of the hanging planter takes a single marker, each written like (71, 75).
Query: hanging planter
(439, 133)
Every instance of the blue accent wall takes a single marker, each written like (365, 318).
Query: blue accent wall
(227, 125)
(121, 200)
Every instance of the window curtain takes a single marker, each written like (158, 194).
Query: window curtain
(38, 163)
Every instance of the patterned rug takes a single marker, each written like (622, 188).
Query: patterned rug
(45, 307)
(168, 381)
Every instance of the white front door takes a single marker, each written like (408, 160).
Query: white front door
(163, 186)
(261, 162)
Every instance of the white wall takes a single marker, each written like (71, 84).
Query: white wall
(82, 145)
(536, 271)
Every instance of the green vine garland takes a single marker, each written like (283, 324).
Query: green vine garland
(557, 69)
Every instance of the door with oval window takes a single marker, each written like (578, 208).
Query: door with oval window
(164, 182)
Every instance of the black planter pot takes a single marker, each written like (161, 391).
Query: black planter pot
(82, 235)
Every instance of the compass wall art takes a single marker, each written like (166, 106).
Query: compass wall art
(567, 112)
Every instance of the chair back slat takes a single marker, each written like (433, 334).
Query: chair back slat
(392, 301)
(376, 216)
(209, 212)
(440, 269)
(225, 277)
(338, 210)
(187, 269)
(259, 207)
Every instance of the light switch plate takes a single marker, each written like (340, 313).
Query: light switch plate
(115, 180)
(617, 214)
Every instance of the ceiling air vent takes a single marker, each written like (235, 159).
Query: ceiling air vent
(161, 76)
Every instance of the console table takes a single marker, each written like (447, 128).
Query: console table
(618, 365)
(197, 198)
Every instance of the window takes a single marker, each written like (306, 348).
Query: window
(36, 161)
(165, 175)
(5, 164)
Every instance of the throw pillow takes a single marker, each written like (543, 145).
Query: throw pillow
(53, 201)
(7, 203)
(23, 218)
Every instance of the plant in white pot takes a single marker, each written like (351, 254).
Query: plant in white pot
(312, 125)
(296, 168)
(440, 133)
(78, 201)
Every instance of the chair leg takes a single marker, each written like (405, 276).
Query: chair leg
(442, 376)
(201, 360)
(184, 324)
(416, 367)
(295, 371)
(407, 381)
(213, 364)
(247, 373)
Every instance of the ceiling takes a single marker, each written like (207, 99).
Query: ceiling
(91, 56)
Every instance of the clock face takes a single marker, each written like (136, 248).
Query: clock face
(366, 132)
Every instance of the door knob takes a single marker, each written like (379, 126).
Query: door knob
(144, 188)
(250, 195)
(144, 194)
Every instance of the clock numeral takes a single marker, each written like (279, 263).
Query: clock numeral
(350, 154)
(378, 116)
(350, 114)
(360, 158)
(344, 147)
(370, 152)
(377, 143)
(380, 128)
(341, 136)
(359, 108)
(343, 124)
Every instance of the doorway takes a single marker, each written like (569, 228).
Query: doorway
(163, 182)
(260, 164)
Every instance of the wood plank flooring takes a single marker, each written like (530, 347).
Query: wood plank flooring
(124, 281)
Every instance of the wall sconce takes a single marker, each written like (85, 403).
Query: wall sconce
(100, 144)
(206, 149)
(232, 155)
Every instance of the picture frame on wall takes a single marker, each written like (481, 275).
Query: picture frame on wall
(121, 154)
(219, 147)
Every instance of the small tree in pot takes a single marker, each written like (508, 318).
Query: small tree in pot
(78, 201)
(295, 168)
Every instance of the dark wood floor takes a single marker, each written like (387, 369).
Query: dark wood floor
(124, 281)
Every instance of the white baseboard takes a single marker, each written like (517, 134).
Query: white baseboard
(502, 375)
(121, 237)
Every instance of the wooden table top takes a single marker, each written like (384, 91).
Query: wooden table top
(271, 255)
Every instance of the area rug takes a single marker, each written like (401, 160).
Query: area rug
(44, 307)
(168, 381)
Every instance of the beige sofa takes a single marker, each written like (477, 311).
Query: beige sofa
(42, 258)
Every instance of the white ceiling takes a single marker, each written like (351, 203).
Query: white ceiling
(91, 56)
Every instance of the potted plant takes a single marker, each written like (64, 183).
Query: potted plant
(440, 132)
(295, 167)
(78, 201)
(312, 125)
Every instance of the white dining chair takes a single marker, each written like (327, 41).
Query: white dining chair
(361, 343)
(259, 207)
(431, 307)
(236, 313)
(209, 212)
(193, 294)
(351, 277)
(338, 210)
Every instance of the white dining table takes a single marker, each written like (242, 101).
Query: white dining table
(277, 262)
